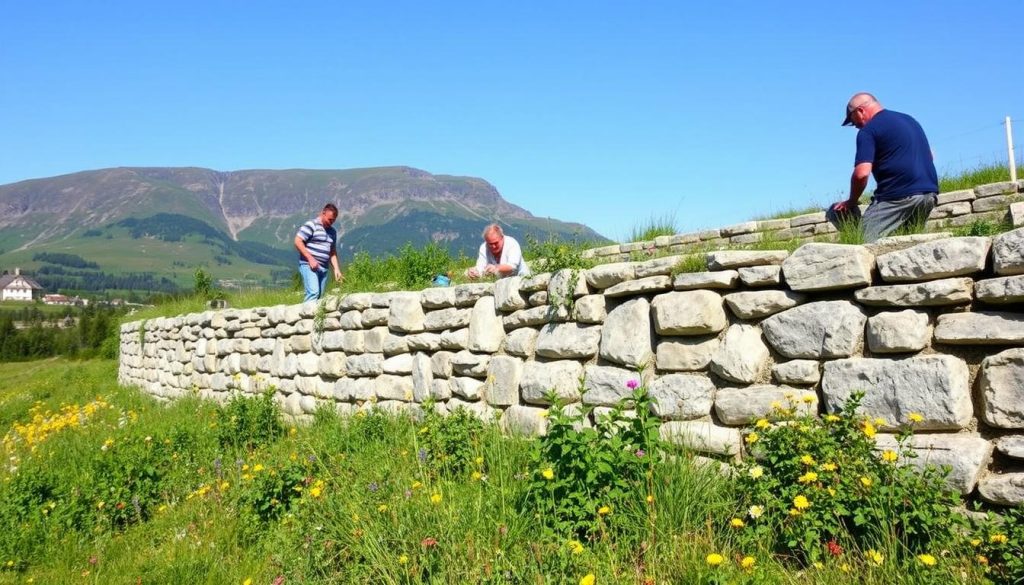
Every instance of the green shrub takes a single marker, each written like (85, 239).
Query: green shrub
(999, 545)
(249, 422)
(585, 480)
(817, 487)
(448, 444)
(554, 254)
(983, 227)
(418, 266)
(267, 492)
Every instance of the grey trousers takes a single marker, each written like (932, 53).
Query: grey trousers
(884, 217)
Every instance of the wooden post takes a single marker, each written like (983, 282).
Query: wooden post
(1009, 150)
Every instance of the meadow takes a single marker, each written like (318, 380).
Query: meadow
(102, 484)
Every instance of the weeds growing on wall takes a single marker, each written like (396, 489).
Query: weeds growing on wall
(983, 227)
(652, 227)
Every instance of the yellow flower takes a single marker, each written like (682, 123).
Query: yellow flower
(915, 417)
(99, 506)
(479, 460)
(869, 429)
(828, 467)
(316, 491)
(650, 499)
(292, 431)
(257, 468)
(776, 405)
(982, 560)
(889, 456)
(714, 559)
(807, 460)
(831, 418)
(588, 579)
(575, 546)
(866, 481)
(809, 398)
(476, 475)
(927, 560)
(248, 581)
(751, 438)
(794, 512)
(604, 510)
(808, 477)
(755, 511)
(975, 541)
(436, 498)
(748, 563)
(762, 423)
(737, 523)
(801, 503)
(879, 422)
(845, 567)
(548, 473)
(403, 559)
(756, 471)
(874, 556)
(543, 414)
(416, 485)
(998, 539)
(382, 508)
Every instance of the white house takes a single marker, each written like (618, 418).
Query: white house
(17, 287)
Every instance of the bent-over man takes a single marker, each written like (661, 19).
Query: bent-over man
(316, 242)
(499, 256)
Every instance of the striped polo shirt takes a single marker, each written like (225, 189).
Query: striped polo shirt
(319, 241)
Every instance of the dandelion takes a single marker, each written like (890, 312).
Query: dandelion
(807, 460)
(915, 417)
(737, 523)
(403, 559)
(575, 546)
(382, 508)
(224, 485)
(874, 556)
(927, 560)
(479, 460)
(794, 512)
(832, 418)
(998, 539)
(755, 512)
(714, 559)
(257, 468)
(415, 485)
(866, 481)
(801, 503)
(776, 405)
(828, 467)
(588, 579)
(975, 542)
(548, 473)
(248, 581)
(476, 475)
(762, 423)
(869, 429)
(436, 498)
(982, 560)
(604, 510)
(756, 471)
(751, 438)
(845, 567)
(100, 505)
(650, 499)
(879, 422)
(889, 456)
(317, 490)
(809, 477)
(748, 563)
(808, 398)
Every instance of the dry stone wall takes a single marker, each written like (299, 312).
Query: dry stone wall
(931, 325)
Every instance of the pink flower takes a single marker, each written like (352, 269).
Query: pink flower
(632, 384)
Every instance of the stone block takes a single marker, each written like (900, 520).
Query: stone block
(937, 259)
(466, 363)
(819, 267)
(681, 396)
(761, 275)
(651, 284)
(521, 342)
(485, 327)
(934, 293)
(744, 406)
(696, 312)
(1011, 446)
(590, 309)
(406, 313)
(980, 328)
(742, 355)
(1008, 253)
(657, 267)
(394, 387)
(626, 335)
(507, 297)
(567, 283)
(375, 317)
(968, 455)
(441, 364)
(726, 259)
(568, 340)
(1004, 489)
(504, 373)
(607, 385)
(534, 316)
(467, 388)
(437, 298)
(422, 377)
(954, 196)
(685, 354)
(466, 295)
(762, 303)
(703, 436)
(1001, 383)
(396, 344)
(898, 331)
(807, 219)
(364, 365)
(561, 377)
(450, 318)
(994, 189)
(524, 421)
(398, 365)
(804, 372)
(455, 340)
(702, 280)
(822, 329)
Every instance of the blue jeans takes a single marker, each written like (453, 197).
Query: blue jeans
(313, 281)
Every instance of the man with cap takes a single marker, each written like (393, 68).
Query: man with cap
(893, 147)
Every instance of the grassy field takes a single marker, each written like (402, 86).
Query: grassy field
(107, 486)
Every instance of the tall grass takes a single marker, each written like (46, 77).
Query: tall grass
(994, 172)
(652, 227)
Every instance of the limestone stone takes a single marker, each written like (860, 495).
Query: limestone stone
(296, 344)
(504, 374)
(373, 340)
(702, 280)
(797, 372)
(822, 329)
(332, 364)
(817, 267)
(457, 339)
(980, 328)
(641, 286)
(375, 317)
(567, 283)
(952, 196)
(485, 328)
(951, 210)
(526, 421)
(441, 389)
(606, 275)
(685, 354)
(354, 301)
(762, 303)
(899, 331)
(450, 318)
(538, 298)
(351, 320)
(681, 396)
(441, 364)
(1005, 289)
(703, 436)
(626, 336)
(466, 295)
(366, 364)
(521, 342)
(467, 388)
(399, 364)
(695, 312)
(742, 355)
(1008, 252)
(725, 259)
(1011, 446)
(1001, 382)
(568, 340)
(760, 275)
(562, 377)
(657, 266)
(424, 341)
(406, 313)
(422, 377)
(937, 259)
(968, 455)
(1005, 489)
(382, 300)
(1017, 213)
(534, 316)
(607, 385)
(394, 387)
(507, 297)
(738, 229)
(535, 283)
(934, 386)
(948, 291)
(994, 203)
(466, 363)
(744, 406)
(590, 309)
(395, 344)
(807, 219)
(993, 189)
(437, 298)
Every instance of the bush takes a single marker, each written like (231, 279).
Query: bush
(999, 545)
(448, 444)
(249, 422)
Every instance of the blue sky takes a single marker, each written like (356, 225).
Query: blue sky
(606, 113)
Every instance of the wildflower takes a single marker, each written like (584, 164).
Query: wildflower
(845, 567)
(415, 485)
(373, 487)
(982, 560)
(382, 508)
(755, 511)
(421, 455)
(776, 405)
(100, 505)
(548, 473)
(927, 560)
(479, 460)
(317, 490)
(650, 499)
(879, 422)
(748, 563)
(107, 444)
(576, 547)
(975, 541)
(831, 418)
(915, 417)
(808, 398)
(751, 438)
(224, 485)
(543, 414)
(801, 503)
(588, 579)
(889, 456)
(756, 471)
(866, 481)
(604, 510)
(476, 475)
(809, 477)
(737, 523)
(828, 467)
(794, 512)
(632, 384)
(869, 429)
(762, 423)
(640, 453)
(403, 559)
(257, 468)
(807, 460)
(714, 559)
(998, 539)
(428, 542)
(436, 498)
(874, 556)
(248, 581)
(833, 548)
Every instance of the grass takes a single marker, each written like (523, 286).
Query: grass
(652, 227)
(358, 503)
(994, 172)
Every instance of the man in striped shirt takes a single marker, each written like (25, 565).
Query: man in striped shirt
(316, 242)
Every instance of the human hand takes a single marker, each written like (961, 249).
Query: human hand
(842, 206)
(313, 265)
(472, 273)
(492, 269)
(338, 276)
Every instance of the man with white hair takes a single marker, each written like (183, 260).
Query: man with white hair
(499, 256)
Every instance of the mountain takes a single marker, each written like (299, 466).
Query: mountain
(239, 225)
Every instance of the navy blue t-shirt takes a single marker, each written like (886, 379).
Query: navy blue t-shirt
(900, 157)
